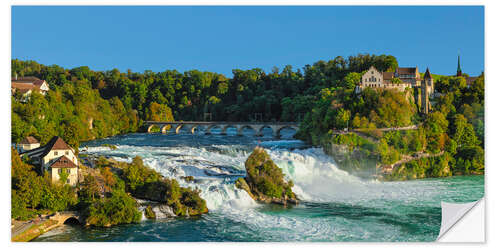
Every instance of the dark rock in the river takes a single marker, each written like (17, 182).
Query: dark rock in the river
(188, 178)
(150, 214)
(265, 180)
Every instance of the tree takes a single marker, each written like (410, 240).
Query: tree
(159, 112)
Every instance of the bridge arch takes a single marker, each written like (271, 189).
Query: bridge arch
(277, 133)
(243, 127)
(178, 128)
(225, 127)
(151, 128)
(193, 128)
(208, 129)
(165, 128)
(72, 221)
(261, 130)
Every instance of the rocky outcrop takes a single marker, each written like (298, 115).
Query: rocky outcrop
(265, 181)
(156, 210)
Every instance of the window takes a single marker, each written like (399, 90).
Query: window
(68, 181)
(55, 152)
(67, 152)
(59, 170)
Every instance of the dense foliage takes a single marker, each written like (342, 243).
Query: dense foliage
(84, 104)
(264, 177)
(455, 127)
(33, 194)
(118, 208)
(144, 182)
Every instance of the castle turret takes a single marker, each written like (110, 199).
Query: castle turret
(426, 89)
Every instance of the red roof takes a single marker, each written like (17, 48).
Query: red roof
(38, 83)
(57, 143)
(63, 162)
(388, 75)
(27, 84)
(29, 140)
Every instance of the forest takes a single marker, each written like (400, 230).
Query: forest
(84, 105)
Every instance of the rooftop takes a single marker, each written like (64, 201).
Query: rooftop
(63, 162)
(29, 140)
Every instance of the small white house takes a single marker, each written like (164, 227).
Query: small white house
(28, 143)
(55, 157)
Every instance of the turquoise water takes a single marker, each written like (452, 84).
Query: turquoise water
(336, 206)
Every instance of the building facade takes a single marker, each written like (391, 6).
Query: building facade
(55, 157)
(26, 85)
(384, 80)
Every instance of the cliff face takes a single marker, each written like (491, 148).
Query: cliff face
(265, 180)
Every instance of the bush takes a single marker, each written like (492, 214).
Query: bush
(145, 183)
(120, 208)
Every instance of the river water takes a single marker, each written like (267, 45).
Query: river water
(335, 206)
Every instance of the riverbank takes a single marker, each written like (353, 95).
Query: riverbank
(29, 230)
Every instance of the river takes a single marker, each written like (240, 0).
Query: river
(336, 206)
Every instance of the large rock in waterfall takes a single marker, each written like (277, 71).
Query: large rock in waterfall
(265, 180)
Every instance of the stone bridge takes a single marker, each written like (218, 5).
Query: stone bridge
(67, 216)
(191, 126)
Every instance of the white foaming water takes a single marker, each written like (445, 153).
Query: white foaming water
(336, 206)
(315, 175)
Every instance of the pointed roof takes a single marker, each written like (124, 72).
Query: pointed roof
(56, 143)
(459, 70)
(29, 140)
(427, 74)
(63, 162)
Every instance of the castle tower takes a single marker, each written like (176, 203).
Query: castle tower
(459, 70)
(427, 88)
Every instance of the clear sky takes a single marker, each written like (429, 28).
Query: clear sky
(220, 39)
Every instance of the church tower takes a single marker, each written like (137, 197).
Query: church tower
(459, 70)
(426, 89)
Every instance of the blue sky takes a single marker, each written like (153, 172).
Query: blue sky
(221, 38)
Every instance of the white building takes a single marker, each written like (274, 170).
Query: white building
(28, 143)
(26, 85)
(55, 157)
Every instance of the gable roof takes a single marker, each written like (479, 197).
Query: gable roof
(29, 140)
(63, 162)
(23, 85)
(27, 84)
(38, 83)
(56, 143)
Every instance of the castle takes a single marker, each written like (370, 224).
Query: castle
(400, 80)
